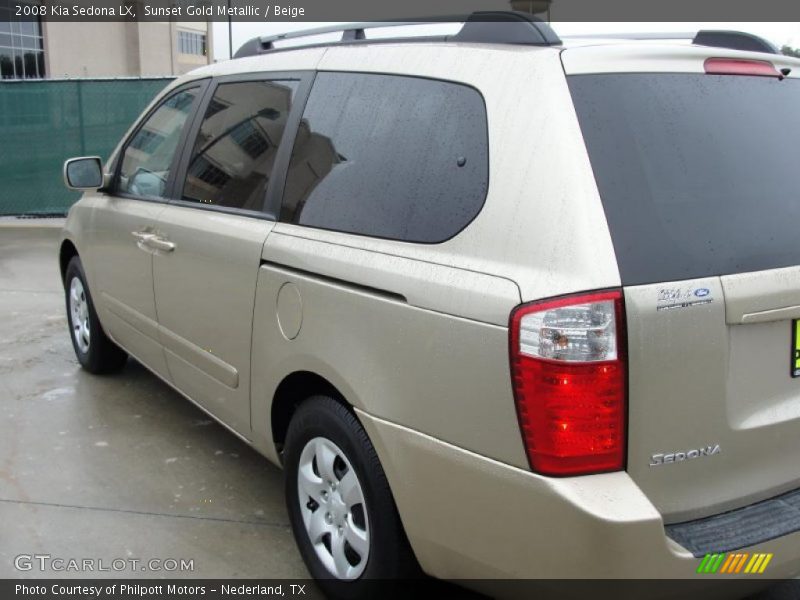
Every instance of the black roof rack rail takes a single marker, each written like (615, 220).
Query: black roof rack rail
(734, 40)
(507, 27)
(489, 27)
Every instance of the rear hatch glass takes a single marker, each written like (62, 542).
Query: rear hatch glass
(698, 173)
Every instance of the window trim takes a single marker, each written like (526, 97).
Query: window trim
(377, 237)
(202, 85)
(274, 192)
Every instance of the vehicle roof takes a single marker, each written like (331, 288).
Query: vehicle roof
(304, 58)
(579, 56)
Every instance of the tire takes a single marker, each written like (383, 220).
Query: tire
(94, 350)
(319, 427)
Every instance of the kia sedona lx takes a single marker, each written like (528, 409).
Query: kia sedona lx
(490, 300)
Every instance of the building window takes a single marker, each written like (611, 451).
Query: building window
(21, 46)
(250, 139)
(148, 141)
(212, 175)
(192, 43)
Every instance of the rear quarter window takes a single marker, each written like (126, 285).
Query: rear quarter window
(391, 157)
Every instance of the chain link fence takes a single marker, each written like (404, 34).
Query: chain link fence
(42, 123)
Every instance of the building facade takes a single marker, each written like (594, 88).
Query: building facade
(33, 49)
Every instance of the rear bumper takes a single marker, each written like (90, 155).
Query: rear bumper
(470, 517)
(747, 526)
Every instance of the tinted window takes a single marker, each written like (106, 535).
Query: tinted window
(391, 157)
(697, 173)
(235, 150)
(148, 156)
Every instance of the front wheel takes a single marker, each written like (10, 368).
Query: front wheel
(94, 350)
(340, 506)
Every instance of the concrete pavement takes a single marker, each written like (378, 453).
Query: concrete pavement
(118, 466)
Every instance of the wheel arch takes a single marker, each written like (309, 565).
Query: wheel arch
(290, 393)
(300, 385)
(66, 252)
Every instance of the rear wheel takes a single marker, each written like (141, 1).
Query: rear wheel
(94, 350)
(340, 505)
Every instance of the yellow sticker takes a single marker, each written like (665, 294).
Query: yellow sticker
(795, 349)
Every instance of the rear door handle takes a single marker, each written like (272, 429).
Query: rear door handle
(152, 241)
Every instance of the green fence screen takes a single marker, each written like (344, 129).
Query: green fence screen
(42, 123)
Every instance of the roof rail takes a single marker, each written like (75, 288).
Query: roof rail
(489, 27)
(735, 40)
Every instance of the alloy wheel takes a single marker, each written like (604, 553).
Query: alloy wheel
(334, 512)
(79, 312)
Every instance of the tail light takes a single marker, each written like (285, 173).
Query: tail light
(568, 366)
(739, 66)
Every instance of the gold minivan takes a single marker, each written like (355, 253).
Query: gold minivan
(501, 305)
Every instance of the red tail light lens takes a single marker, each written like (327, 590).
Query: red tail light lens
(568, 366)
(738, 66)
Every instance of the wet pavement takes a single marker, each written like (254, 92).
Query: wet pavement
(117, 466)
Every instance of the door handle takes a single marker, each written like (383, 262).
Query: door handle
(142, 235)
(153, 241)
(142, 238)
(160, 243)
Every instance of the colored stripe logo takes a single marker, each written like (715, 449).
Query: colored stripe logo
(734, 562)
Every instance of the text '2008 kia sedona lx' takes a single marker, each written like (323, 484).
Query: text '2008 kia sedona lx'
(501, 305)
